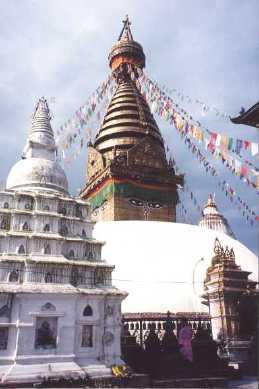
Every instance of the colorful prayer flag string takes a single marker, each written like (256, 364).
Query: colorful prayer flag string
(205, 108)
(232, 144)
(77, 131)
(229, 192)
(165, 108)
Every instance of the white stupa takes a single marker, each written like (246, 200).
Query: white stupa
(163, 265)
(60, 314)
(212, 219)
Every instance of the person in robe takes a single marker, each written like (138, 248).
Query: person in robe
(185, 340)
(152, 351)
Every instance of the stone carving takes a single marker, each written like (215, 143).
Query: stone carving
(14, 276)
(87, 336)
(146, 153)
(46, 330)
(88, 311)
(108, 338)
(223, 254)
(48, 307)
(109, 310)
(3, 338)
(95, 162)
(99, 276)
(4, 311)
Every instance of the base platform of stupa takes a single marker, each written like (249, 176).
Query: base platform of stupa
(31, 374)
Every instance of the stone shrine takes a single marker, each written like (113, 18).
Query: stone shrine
(227, 290)
(59, 312)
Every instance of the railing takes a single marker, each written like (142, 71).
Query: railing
(138, 324)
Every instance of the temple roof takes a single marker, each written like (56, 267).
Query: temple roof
(249, 117)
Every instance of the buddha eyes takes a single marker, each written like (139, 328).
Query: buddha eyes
(141, 203)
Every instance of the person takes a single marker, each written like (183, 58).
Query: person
(221, 343)
(185, 340)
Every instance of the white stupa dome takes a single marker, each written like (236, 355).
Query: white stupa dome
(38, 168)
(37, 173)
(159, 263)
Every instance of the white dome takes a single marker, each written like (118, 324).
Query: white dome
(157, 262)
(35, 173)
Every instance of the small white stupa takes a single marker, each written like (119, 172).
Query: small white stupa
(59, 313)
(213, 219)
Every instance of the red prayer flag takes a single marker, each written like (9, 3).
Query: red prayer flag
(246, 144)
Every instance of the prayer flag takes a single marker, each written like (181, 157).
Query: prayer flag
(239, 144)
(230, 143)
(254, 149)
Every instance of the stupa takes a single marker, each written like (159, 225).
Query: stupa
(60, 314)
(213, 219)
(132, 190)
(128, 176)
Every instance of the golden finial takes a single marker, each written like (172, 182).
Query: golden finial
(218, 249)
(126, 32)
(227, 253)
(126, 21)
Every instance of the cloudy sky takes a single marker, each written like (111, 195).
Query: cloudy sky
(208, 50)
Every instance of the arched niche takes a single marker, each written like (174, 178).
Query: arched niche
(46, 228)
(14, 276)
(88, 311)
(48, 307)
(47, 249)
(21, 249)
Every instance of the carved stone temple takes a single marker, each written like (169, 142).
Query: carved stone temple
(128, 176)
(59, 312)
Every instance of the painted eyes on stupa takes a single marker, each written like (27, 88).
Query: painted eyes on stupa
(155, 205)
(141, 203)
(137, 203)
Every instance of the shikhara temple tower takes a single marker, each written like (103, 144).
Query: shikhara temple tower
(233, 301)
(213, 219)
(224, 284)
(128, 176)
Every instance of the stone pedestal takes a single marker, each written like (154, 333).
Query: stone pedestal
(238, 351)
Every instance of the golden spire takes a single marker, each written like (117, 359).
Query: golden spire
(127, 163)
(126, 50)
(126, 31)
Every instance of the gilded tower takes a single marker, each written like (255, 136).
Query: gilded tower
(128, 176)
